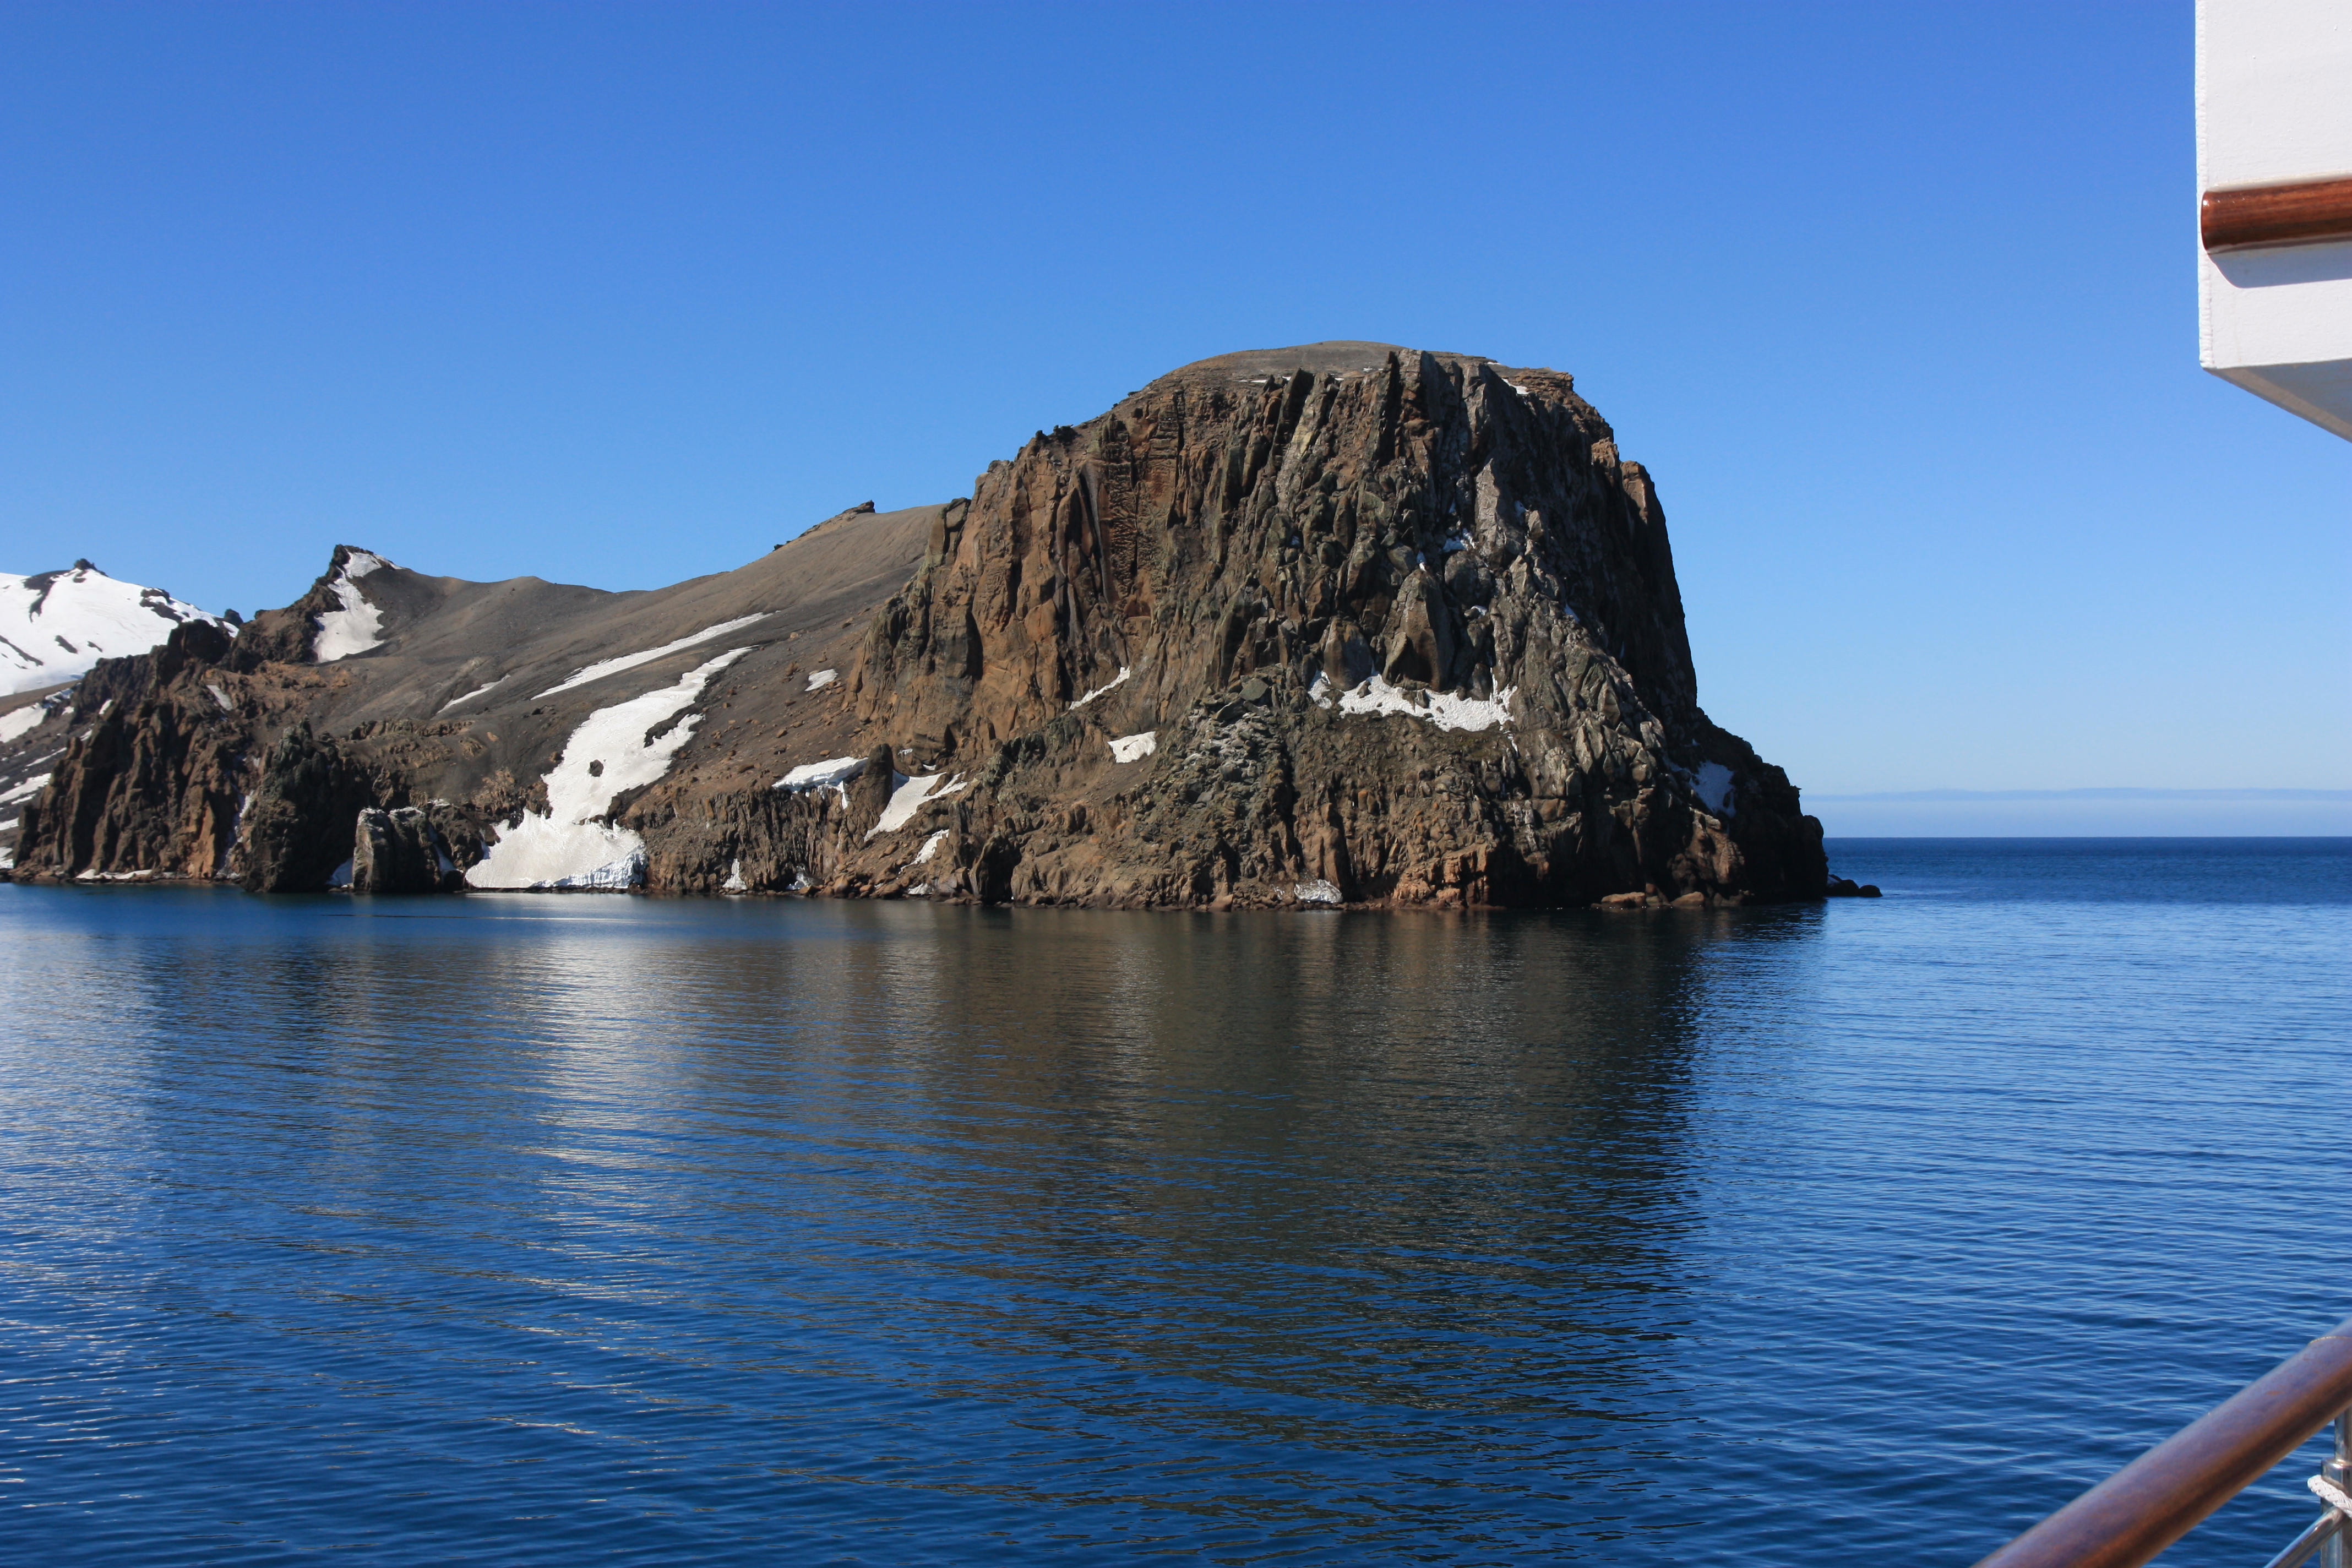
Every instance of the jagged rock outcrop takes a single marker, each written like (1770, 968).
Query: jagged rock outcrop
(298, 827)
(1338, 624)
(401, 851)
(153, 780)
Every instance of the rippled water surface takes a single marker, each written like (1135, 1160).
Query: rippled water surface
(569, 1229)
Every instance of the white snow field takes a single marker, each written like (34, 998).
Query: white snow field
(357, 625)
(608, 753)
(55, 625)
(1135, 748)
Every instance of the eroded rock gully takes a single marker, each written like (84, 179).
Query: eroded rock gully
(1337, 623)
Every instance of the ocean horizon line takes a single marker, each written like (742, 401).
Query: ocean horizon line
(2077, 837)
(2328, 797)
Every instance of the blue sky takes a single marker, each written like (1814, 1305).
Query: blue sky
(1897, 302)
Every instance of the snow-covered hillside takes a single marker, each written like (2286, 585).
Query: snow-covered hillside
(55, 625)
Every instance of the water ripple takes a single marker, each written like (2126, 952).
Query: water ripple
(605, 1229)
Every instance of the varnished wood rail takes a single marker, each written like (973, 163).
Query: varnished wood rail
(2157, 1498)
(2297, 214)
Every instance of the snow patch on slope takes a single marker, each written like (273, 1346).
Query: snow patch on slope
(911, 796)
(357, 625)
(468, 697)
(1135, 748)
(1714, 785)
(23, 718)
(55, 625)
(567, 847)
(832, 774)
(1123, 673)
(1446, 709)
(604, 667)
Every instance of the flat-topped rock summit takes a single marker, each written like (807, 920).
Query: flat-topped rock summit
(1344, 623)
(1343, 358)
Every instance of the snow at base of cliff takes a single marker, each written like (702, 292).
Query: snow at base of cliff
(55, 625)
(605, 756)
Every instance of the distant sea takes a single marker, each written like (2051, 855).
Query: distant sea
(594, 1228)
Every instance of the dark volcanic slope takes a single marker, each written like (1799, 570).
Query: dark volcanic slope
(1338, 622)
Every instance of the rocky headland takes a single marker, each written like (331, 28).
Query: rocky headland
(1344, 624)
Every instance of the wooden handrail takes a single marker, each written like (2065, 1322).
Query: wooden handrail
(2156, 1498)
(2299, 213)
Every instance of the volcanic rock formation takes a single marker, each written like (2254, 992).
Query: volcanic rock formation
(1339, 624)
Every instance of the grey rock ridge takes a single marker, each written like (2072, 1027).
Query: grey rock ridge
(1343, 624)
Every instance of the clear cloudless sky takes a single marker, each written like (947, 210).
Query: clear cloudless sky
(1897, 302)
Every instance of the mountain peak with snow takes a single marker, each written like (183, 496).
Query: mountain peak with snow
(54, 625)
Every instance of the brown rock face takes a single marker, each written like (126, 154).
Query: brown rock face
(398, 851)
(1401, 623)
(1341, 623)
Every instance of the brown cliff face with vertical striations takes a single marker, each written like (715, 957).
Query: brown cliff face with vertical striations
(1340, 623)
(1401, 623)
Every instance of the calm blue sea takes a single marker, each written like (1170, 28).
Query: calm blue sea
(570, 1229)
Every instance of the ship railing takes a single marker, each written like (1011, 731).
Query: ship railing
(2159, 1497)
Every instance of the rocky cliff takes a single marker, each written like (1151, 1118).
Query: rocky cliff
(1337, 623)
